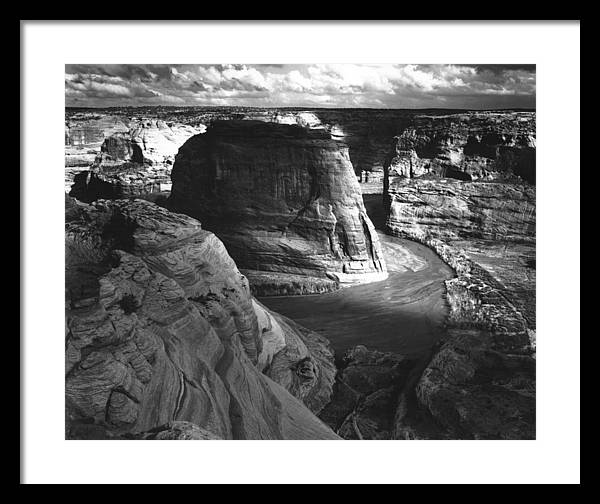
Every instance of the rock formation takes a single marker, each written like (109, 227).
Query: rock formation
(83, 139)
(450, 210)
(368, 132)
(283, 199)
(480, 383)
(468, 146)
(366, 392)
(161, 328)
(464, 187)
(134, 162)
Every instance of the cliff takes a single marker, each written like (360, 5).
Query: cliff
(133, 162)
(465, 189)
(467, 146)
(84, 137)
(367, 132)
(161, 328)
(283, 198)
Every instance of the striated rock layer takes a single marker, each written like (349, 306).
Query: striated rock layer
(132, 163)
(480, 382)
(161, 328)
(467, 146)
(84, 137)
(449, 210)
(367, 132)
(283, 198)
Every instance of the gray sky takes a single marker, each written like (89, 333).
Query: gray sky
(331, 85)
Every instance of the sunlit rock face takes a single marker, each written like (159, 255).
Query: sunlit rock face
(134, 162)
(84, 135)
(464, 185)
(305, 119)
(284, 199)
(161, 328)
(151, 142)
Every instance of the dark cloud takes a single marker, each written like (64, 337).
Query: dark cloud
(342, 85)
(499, 69)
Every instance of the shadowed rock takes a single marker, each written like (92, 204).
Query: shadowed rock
(284, 199)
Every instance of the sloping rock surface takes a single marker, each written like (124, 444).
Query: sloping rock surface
(161, 327)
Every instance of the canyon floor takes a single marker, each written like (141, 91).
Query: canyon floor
(403, 314)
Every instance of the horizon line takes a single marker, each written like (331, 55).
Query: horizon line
(291, 107)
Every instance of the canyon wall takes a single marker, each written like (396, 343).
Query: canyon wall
(467, 146)
(285, 201)
(367, 132)
(465, 187)
(165, 341)
(84, 137)
(133, 163)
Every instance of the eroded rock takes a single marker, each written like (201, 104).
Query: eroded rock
(466, 190)
(133, 162)
(284, 200)
(161, 327)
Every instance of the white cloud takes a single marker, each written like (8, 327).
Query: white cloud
(299, 85)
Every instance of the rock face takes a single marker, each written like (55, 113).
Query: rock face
(466, 190)
(450, 210)
(161, 327)
(83, 139)
(368, 132)
(134, 162)
(469, 146)
(284, 200)
(151, 142)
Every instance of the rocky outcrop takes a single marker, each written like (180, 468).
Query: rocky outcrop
(284, 200)
(84, 136)
(480, 219)
(366, 393)
(133, 163)
(468, 146)
(161, 327)
(149, 142)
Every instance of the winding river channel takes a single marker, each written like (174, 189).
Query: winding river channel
(403, 314)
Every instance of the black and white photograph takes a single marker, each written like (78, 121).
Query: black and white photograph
(340, 250)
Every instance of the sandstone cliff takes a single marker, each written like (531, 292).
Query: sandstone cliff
(368, 132)
(161, 328)
(466, 190)
(284, 199)
(84, 136)
(468, 146)
(134, 162)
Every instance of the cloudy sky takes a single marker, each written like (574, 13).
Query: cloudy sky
(335, 85)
